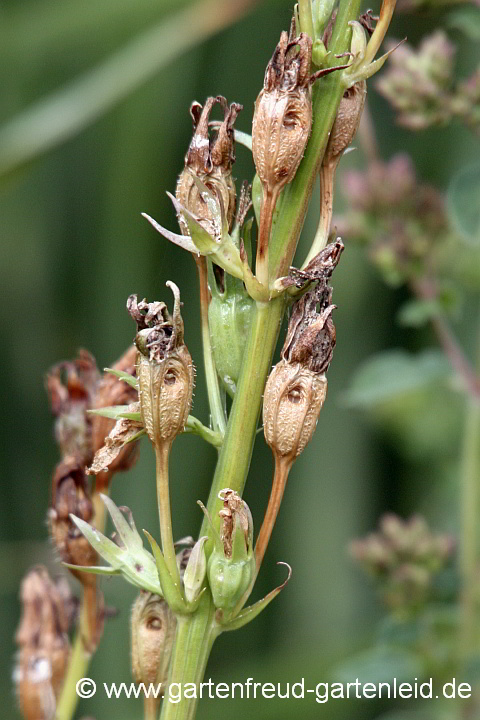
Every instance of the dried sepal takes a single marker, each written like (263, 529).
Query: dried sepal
(118, 452)
(164, 368)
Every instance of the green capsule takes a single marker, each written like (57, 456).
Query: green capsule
(232, 563)
(229, 317)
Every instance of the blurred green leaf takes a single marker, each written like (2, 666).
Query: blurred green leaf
(467, 20)
(382, 663)
(415, 313)
(67, 111)
(393, 373)
(463, 203)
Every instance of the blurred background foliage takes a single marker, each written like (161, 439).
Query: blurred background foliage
(94, 127)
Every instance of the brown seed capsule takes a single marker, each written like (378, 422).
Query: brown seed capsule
(43, 645)
(164, 368)
(346, 122)
(71, 386)
(283, 113)
(70, 494)
(297, 386)
(152, 633)
(210, 160)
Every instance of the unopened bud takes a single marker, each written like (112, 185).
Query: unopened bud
(195, 571)
(152, 633)
(164, 368)
(70, 495)
(231, 564)
(283, 113)
(210, 160)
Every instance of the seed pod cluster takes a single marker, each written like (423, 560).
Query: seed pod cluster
(164, 368)
(283, 113)
(152, 633)
(209, 159)
(43, 645)
(297, 386)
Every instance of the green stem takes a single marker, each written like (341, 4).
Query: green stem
(162, 453)
(217, 410)
(80, 657)
(305, 15)
(193, 642)
(236, 452)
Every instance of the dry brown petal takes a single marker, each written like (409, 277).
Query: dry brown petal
(112, 391)
(118, 448)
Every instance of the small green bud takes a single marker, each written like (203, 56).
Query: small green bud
(232, 563)
(195, 571)
(319, 53)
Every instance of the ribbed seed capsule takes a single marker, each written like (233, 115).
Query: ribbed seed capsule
(210, 160)
(293, 398)
(152, 633)
(346, 122)
(283, 113)
(164, 368)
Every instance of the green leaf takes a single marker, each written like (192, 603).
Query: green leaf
(463, 203)
(126, 377)
(93, 569)
(415, 313)
(172, 593)
(117, 412)
(393, 373)
(132, 560)
(467, 20)
(382, 663)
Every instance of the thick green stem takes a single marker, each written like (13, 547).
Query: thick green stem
(236, 452)
(162, 453)
(193, 642)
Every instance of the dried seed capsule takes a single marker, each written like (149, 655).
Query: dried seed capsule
(43, 645)
(346, 122)
(297, 386)
(152, 633)
(164, 368)
(283, 113)
(293, 398)
(70, 495)
(211, 161)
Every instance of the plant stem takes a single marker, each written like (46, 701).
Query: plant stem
(282, 469)
(162, 452)
(327, 179)
(194, 638)
(80, 657)
(236, 452)
(266, 217)
(213, 389)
